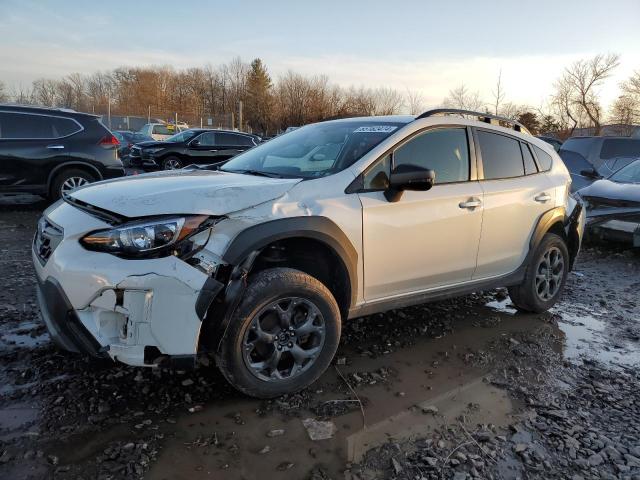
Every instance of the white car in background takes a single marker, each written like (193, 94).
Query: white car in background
(162, 131)
(261, 261)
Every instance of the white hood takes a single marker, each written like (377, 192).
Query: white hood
(183, 192)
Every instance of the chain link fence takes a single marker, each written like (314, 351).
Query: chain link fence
(134, 123)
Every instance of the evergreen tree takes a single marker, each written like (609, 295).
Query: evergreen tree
(259, 103)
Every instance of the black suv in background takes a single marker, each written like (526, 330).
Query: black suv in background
(193, 146)
(47, 151)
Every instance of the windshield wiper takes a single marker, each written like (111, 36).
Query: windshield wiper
(258, 173)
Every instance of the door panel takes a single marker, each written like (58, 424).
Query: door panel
(424, 240)
(511, 213)
(25, 164)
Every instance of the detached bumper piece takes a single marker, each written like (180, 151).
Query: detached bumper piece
(62, 322)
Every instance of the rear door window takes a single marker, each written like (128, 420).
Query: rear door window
(501, 156)
(620, 147)
(227, 139)
(530, 166)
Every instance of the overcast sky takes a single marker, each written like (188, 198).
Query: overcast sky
(430, 46)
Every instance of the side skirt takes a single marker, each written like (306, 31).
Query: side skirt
(513, 278)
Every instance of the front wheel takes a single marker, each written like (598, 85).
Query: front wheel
(172, 163)
(67, 181)
(282, 336)
(545, 278)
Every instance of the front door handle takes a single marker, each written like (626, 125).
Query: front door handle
(543, 198)
(471, 203)
(213, 151)
(55, 147)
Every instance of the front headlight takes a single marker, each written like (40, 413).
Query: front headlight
(149, 236)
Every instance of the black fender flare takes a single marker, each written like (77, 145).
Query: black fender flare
(318, 228)
(547, 220)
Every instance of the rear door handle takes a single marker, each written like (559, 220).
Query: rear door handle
(55, 147)
(213, 151)
(471, 203)
(543, 198)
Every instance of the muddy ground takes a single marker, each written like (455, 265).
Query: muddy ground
(465, 388)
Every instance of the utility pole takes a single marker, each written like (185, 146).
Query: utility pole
(109, 109)
(149, 114)
(240, 115)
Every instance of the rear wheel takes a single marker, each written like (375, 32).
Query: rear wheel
(545, 278)
(172, 163)
(282, 336)
(68, 180)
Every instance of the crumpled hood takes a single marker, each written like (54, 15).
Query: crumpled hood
(201, 192)
(612, 190)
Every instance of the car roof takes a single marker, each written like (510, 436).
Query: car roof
(44, 110)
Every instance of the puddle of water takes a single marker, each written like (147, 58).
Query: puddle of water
(587, 335)
(432, 372)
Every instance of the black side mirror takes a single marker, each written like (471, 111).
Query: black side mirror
(194, 143)
(591, 173)
(409, 177)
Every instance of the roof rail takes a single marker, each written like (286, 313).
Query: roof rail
(483, 117)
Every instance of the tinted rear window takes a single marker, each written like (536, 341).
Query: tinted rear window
(580, 145)
(620, 147)
(501, 156)
(28, 126)
(226, 139)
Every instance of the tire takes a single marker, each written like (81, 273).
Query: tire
(542, 286)
(315, 337)
(172, 163)
(64, 180)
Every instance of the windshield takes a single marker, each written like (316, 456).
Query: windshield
(628, 174)
(313, 151)
(182, 136)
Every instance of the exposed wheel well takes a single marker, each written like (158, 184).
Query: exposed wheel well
(91, 170)
(314, 258)
(572, 241)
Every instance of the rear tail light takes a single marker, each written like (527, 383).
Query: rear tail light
(108, 141)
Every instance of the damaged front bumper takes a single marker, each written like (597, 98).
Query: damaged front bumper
(139, 312)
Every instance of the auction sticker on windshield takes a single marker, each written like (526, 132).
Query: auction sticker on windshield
(375, 129)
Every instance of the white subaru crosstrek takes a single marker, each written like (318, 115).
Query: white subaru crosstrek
(260, 261)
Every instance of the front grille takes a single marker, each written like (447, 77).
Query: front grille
(47, 239)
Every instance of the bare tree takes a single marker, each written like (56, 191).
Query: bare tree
(578, 87)
(461, 98)
(415, 102)
(498, 94)
(4, 96)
